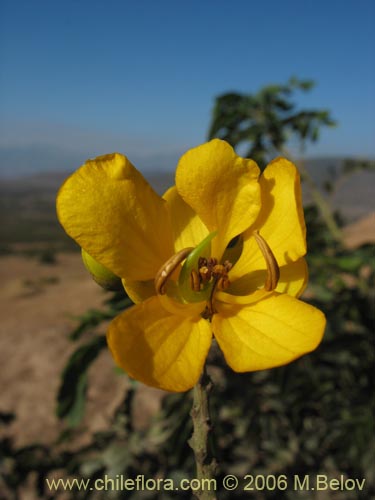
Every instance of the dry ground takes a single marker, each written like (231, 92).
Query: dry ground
(38, 306)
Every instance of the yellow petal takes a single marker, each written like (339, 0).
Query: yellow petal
(138, 291)
(229, 298)
(280, 221)
(269, 333)
(115, 216)
(221, 187)
(158, 348)
(293, 280)
(192, 310)
(187, 228)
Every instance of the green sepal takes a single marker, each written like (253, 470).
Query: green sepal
(101, 275)
(185, 291)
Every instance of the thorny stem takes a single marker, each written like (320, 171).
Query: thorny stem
(201, 440)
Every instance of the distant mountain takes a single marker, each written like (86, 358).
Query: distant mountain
(321, 170)
(20, 161)
(27, 203)
(353, 194)
(49, 183)
(29, 160)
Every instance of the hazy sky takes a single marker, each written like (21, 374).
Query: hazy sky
(86, 77)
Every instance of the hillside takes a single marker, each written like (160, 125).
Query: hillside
(27, 204)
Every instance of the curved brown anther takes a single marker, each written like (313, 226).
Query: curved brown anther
(166, 270)
(273, 271)
(195, 281)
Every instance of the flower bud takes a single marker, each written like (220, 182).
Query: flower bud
(103, 276)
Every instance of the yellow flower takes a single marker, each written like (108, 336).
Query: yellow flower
(220, 254)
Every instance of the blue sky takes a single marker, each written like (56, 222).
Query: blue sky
(81, 78)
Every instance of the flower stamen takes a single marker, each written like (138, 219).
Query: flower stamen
(195, 281)
(167, 269)
(209, 271)
(273, 271)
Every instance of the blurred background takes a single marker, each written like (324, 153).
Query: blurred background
(152, 79)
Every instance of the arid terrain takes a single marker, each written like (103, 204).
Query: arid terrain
(39, 304)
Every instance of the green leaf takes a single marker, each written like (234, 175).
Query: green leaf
(266, 120)
(93, 317)
(350, 263)
(71, 397)
(90, 319)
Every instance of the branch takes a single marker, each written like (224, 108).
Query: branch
(201, 440)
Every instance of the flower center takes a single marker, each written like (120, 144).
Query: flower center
(210, 272)
(213, 274)
(202, 275)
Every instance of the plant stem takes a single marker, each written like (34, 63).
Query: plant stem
(201, 440)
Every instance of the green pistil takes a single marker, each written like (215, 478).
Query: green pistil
(187, 294)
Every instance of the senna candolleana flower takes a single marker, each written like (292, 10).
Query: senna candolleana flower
(220, 254)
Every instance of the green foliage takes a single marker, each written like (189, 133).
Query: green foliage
(265, 121)
(93, 317)
(72, 393)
